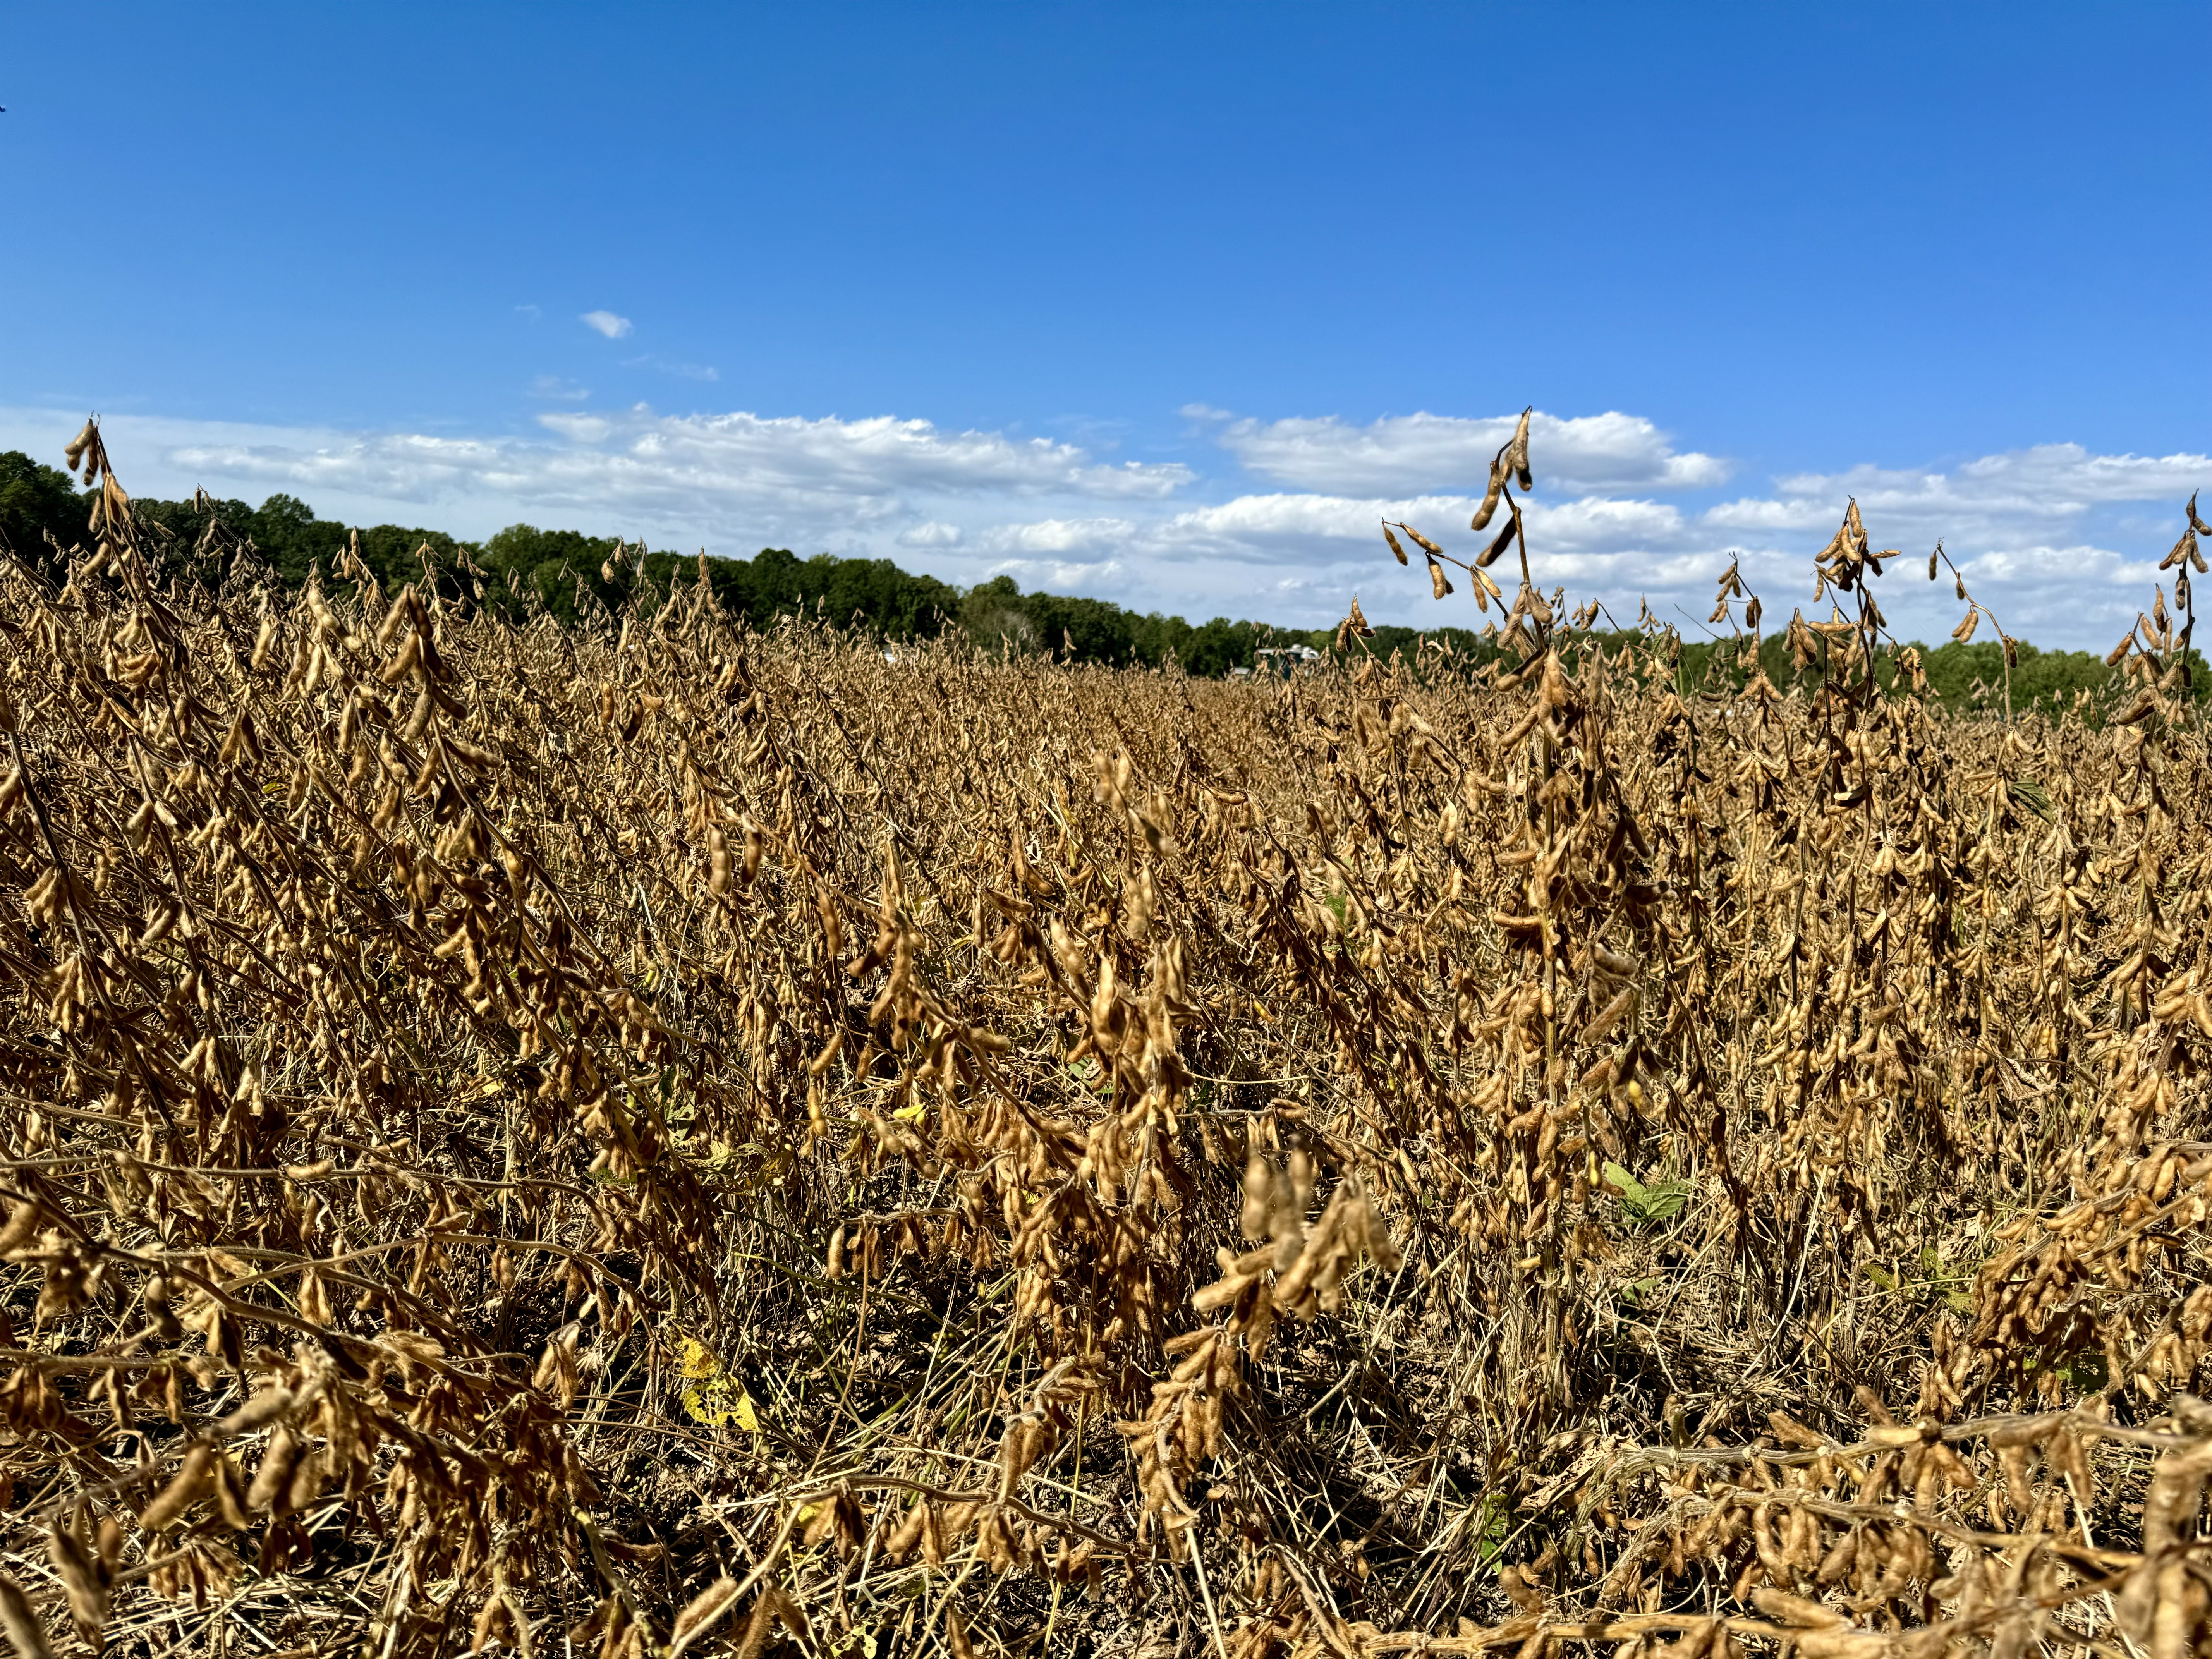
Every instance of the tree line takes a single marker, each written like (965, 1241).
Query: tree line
(566, 572)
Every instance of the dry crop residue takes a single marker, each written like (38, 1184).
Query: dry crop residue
(650, 1137)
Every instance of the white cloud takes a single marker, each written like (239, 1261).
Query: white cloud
(682, 370)
(606, 323)
(742, 480)
(2048, 484)
(1094, 578)
(1318, 529)
(2062, 542)
(660, 466)
(1426, 451)
(1059, 536)
(553, 386)
(930, 533)
(2013, 523)
(2038, 532)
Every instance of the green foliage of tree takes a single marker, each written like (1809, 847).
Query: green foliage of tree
(1963, 676)
(526, 567)
(36, 502)
(997, 615)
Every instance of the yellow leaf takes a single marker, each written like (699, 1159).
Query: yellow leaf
(913, 1114)
(743, 1414)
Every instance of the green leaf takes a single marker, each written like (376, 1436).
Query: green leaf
(2033, 796)
(1495, 1525)
(2089, 1371)
(1644, 1204)
(1664, 1201)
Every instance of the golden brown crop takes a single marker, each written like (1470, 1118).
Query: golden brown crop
(651, 1139)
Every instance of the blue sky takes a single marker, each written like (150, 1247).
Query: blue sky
(1168, 304)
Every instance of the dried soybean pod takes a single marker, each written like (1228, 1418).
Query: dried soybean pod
(1499, 543)
(1482, 514)
(2177, 1494)
(1259, 1198)
(701, 1615)
(230, 1496)
(20, 1621)
(1516, 452)
(1837, 1562)
(265, 1407)
(189, 1485)
(22, 1226)
(309, 1476)
(273, 1479)
(82, 1580)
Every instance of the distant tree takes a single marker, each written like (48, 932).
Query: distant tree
(1218, 646)
(1967, 676)
(1088, 631)
(994, 616)
(553, 566)
(37, 502)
